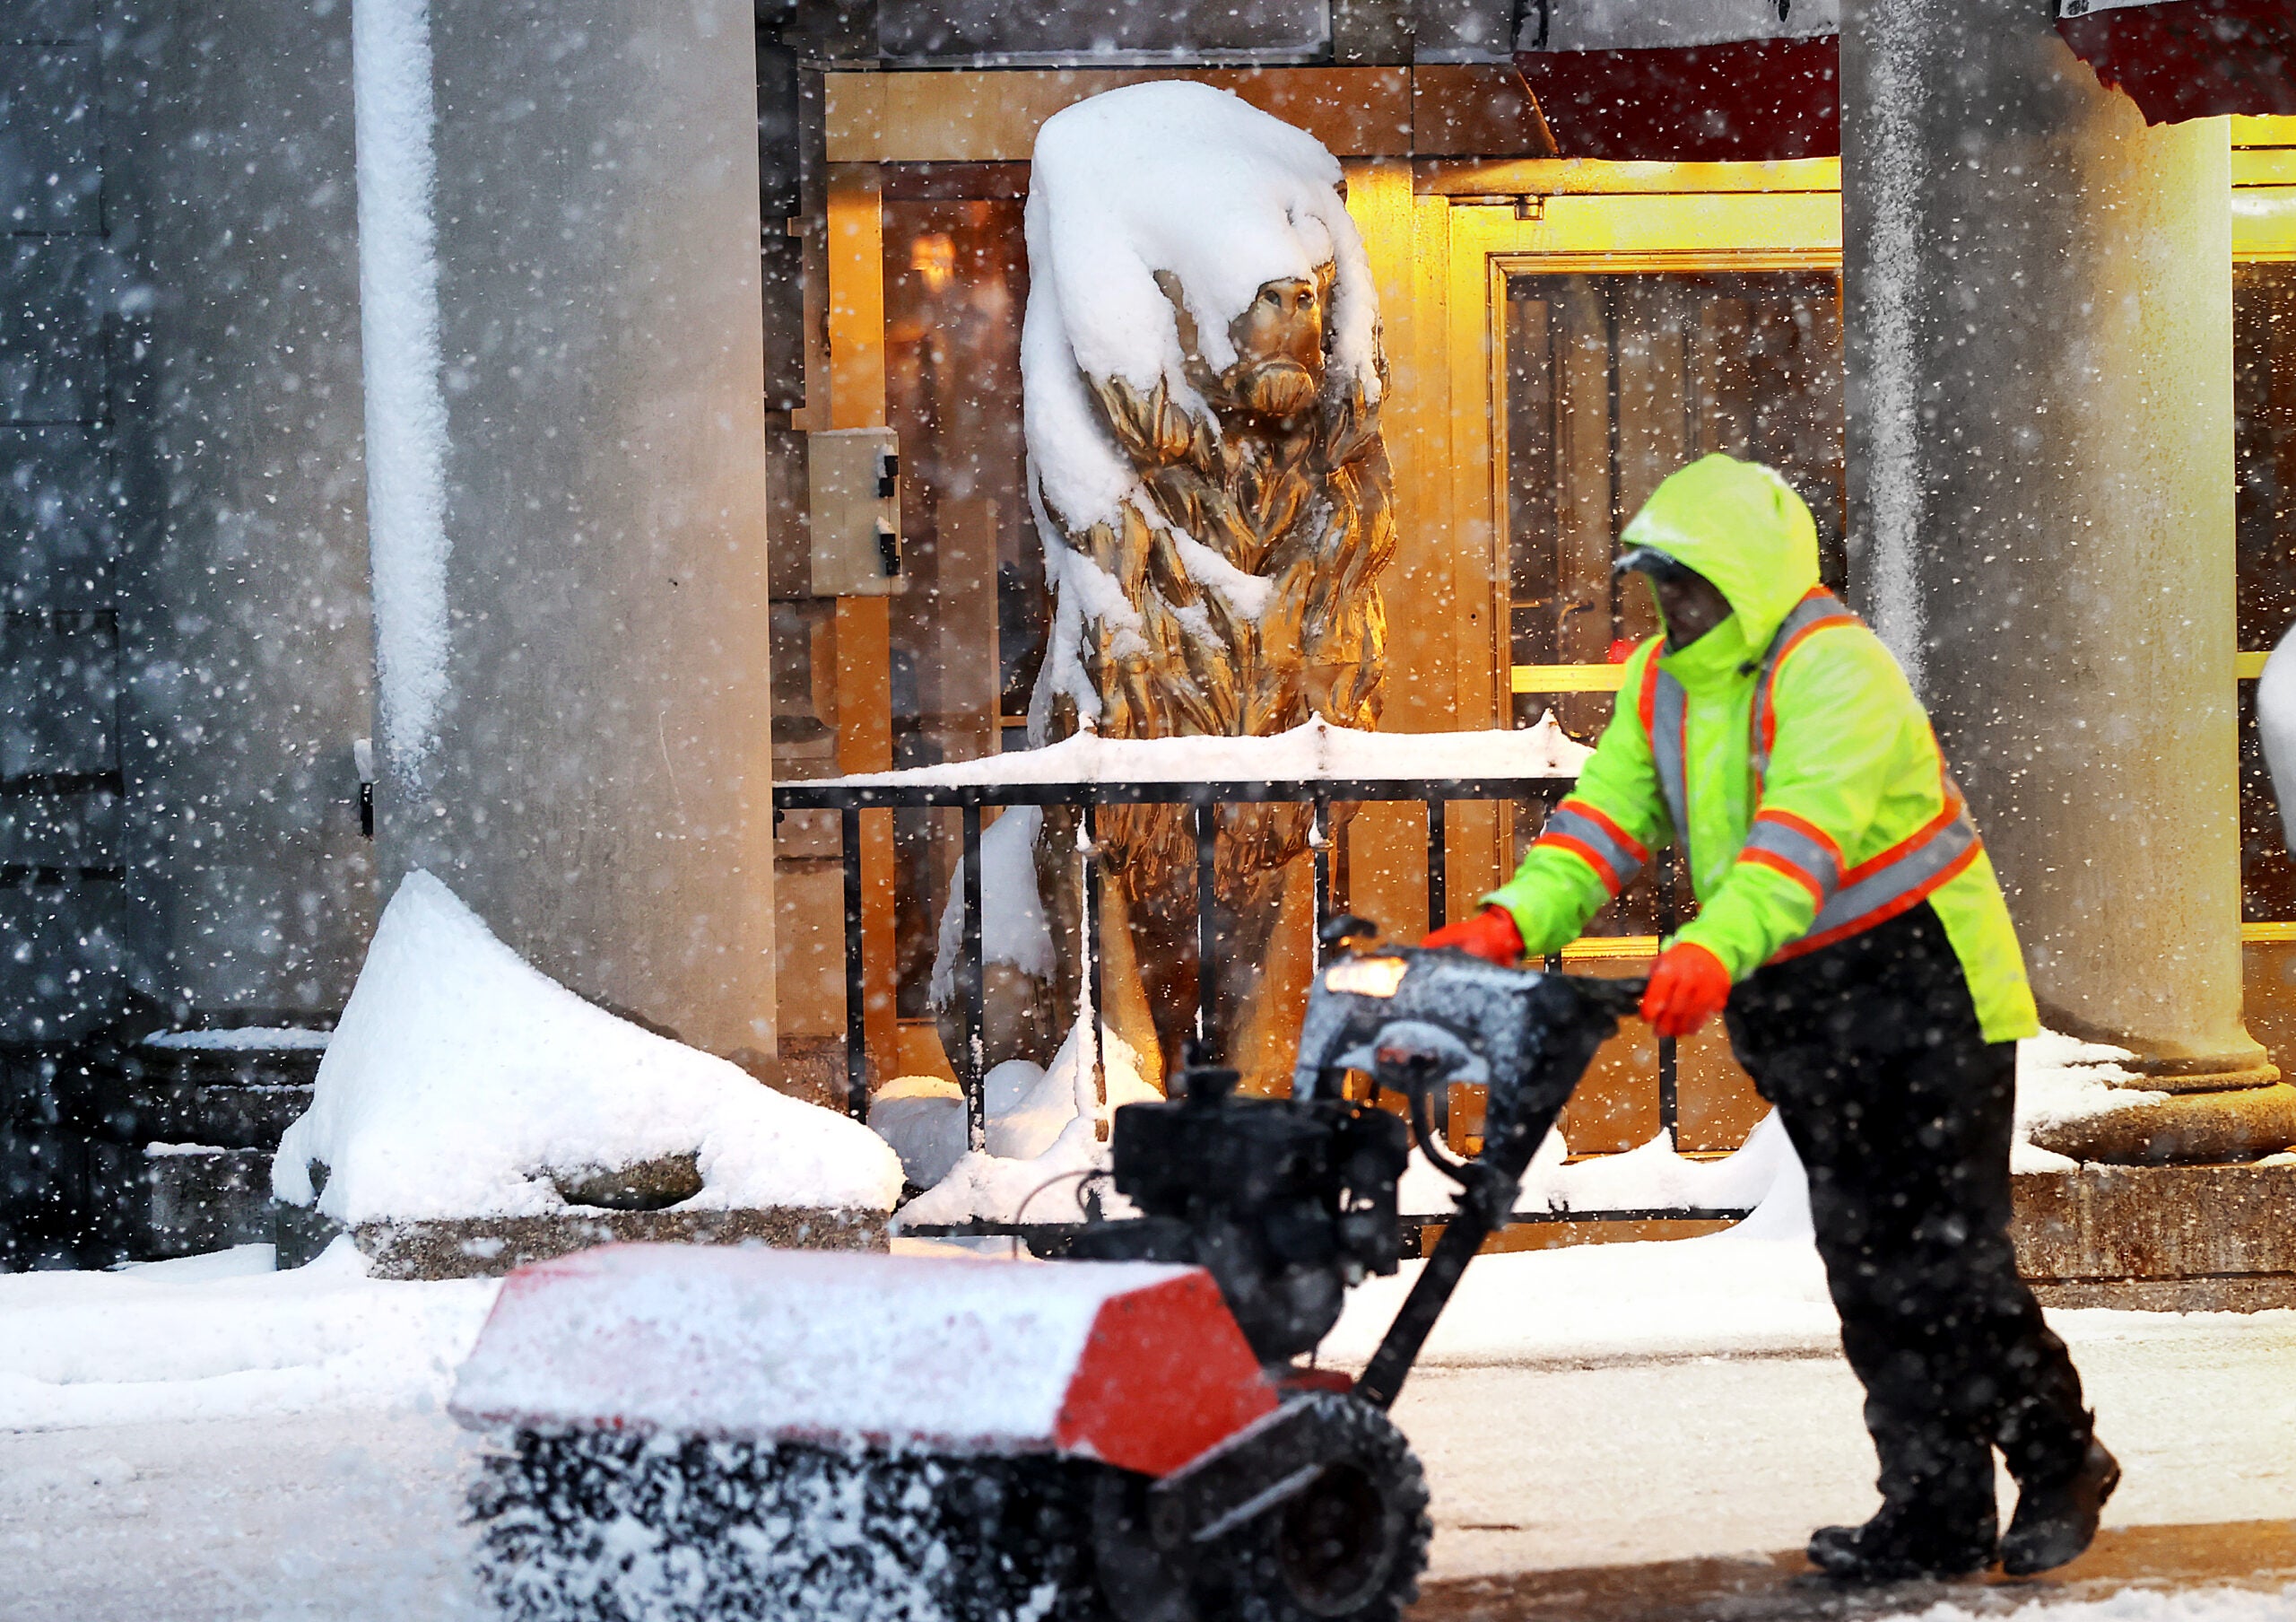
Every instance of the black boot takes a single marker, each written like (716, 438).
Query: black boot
(2056, 1514)
(1904, 1543)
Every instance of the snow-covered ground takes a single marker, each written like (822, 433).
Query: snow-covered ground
(199, 1439)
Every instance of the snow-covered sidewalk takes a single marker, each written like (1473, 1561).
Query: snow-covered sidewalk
(201, 1440)
(223, 1336)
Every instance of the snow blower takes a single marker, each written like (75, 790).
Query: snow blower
(697, 1432)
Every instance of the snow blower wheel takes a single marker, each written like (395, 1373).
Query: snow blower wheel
(701, 1432)
(1347, 1547)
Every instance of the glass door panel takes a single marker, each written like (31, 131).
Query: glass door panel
(1614, 381)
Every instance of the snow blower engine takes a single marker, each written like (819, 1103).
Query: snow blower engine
(1125, 1436)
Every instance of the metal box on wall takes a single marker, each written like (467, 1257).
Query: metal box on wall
(854, 478)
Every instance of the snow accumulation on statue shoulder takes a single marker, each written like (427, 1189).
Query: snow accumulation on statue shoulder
(461, 1078)
(1192, 185)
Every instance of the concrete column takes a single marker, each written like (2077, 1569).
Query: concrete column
(595, 777)
(2038, 327)
(245, 663)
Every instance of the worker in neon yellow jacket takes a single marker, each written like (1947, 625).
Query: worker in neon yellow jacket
(1851, 929)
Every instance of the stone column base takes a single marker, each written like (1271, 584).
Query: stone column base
(2236, 1123)
(2166, 1238)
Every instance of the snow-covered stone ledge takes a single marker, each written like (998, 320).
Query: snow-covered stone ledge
(472, 1115)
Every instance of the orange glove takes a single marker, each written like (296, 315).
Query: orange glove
(1688, 987)
(1490, 934)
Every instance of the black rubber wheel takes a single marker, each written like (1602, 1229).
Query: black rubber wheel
(1348, 1548)
(607, 1527)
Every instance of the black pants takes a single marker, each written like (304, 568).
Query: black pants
(1901, 1112)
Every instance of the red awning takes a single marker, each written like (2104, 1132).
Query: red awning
(1741, 99)
(2192, 58)
(1617, 91)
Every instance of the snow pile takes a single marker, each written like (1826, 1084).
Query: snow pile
(923, 1118)
(461, 1077)
(1012, 929)
(1024, 1108)
(1220, 198)
(2059, 1080)
(1755, 1289)
(1652, 1177)
(223, 1335)
(1043, 1137)
(396, 120)
(1315, 751)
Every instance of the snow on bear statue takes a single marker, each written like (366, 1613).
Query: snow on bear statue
(1202, 378)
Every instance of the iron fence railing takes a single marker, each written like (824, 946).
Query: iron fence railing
(939, 787)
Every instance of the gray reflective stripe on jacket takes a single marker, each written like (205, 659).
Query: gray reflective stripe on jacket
(1595, 838)
(1908, 871)
(1812, 611)
(1668, 706)
(1814, 857)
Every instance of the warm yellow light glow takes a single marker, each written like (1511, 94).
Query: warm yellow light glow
(1568, 679)
(2270, 131)
(934, 257)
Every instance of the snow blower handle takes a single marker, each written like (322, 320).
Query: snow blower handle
(1419, 1019)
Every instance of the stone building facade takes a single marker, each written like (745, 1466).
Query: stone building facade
(666, 246)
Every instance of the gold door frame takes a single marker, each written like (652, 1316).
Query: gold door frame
(1442, 254)
(1607, 235)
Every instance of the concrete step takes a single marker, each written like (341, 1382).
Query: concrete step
(181, 1199)
(2160, 1238)
(235, 1099)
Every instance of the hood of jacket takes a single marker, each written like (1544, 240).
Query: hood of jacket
(1742, 526)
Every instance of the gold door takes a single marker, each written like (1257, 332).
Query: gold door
(1600, 326)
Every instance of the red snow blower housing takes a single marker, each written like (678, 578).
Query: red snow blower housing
(706, 1433)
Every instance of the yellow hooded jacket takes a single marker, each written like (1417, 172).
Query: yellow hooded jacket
(1853, 763)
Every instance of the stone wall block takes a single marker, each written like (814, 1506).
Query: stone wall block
(59, 694)
(61, 959)
(59, 526)
(51, 174)
(47, 22)
(51, 331)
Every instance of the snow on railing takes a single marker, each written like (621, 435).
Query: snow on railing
(1316, 763)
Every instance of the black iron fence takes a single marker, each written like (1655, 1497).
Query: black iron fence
(935, 788)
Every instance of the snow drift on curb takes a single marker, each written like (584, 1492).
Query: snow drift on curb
(2135, 1605)
(222, 1336)
(461, 1077)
